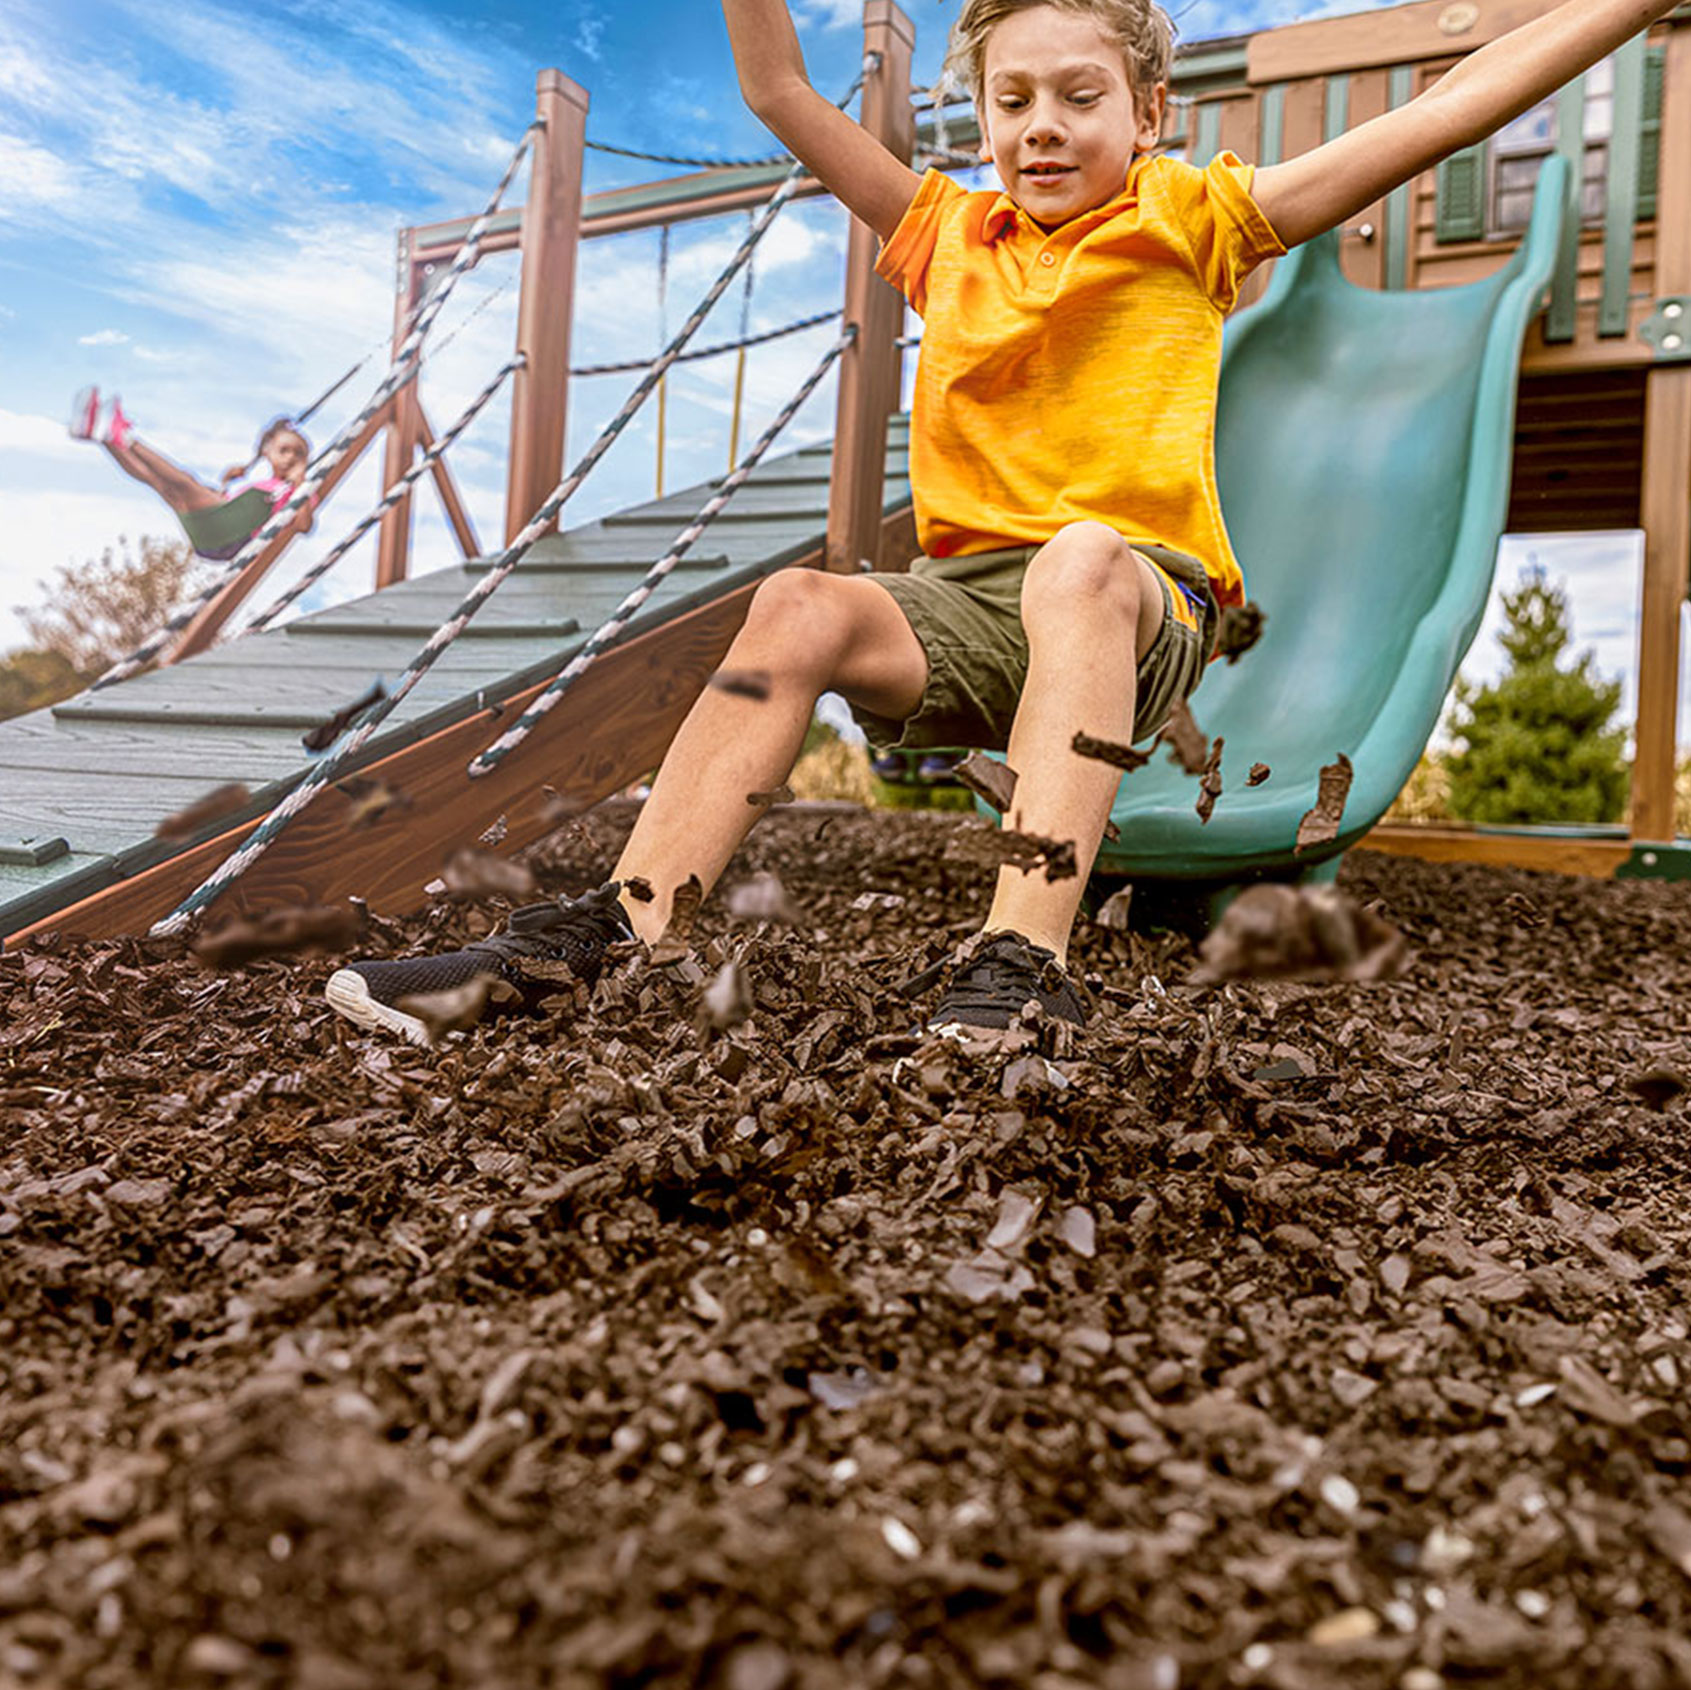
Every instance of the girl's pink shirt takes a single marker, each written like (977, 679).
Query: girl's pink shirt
(281, 491)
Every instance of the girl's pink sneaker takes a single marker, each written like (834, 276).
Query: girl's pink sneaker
(85, 414)
(118, 426)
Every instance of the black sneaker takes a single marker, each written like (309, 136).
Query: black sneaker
(576, 932)
(997, 977)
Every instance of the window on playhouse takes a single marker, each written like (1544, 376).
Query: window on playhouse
(1519, 150)
(1486, 192)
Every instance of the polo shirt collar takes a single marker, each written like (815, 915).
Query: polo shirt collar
(1006, 214)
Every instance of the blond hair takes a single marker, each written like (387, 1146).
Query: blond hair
(1141, 27)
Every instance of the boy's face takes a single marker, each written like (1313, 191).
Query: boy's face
(1057, 109)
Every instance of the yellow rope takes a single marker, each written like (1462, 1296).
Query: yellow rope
(739, 396)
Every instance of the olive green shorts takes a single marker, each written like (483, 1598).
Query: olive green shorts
(967, 612)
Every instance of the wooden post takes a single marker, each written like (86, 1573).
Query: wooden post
(1667, 480)
(546, 309)
(393, 546)
(451, 500)
(869, 370)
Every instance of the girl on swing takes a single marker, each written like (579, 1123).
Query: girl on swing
(217, 523)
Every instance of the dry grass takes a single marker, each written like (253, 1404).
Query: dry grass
(834, 769)
(1425, 796)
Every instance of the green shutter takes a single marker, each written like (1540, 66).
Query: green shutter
(1461, 196)
(1650, 132)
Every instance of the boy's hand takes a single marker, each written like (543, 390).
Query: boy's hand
(1491, 87)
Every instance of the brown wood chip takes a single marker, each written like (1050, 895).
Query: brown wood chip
(461, 1008)
(1209, 788)
(683, 912)
(1320, 825)
(1107, 751)
(220, 801)
(742, 683)
(322, 927)
(1241, 628)
(1186, 743)
(321, 737)
(988, 778)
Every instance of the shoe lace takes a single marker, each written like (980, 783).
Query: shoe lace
(999, 972)
(535, 929)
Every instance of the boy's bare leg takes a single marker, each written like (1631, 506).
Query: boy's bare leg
(1091, 607)
(809, 633)
(173, 484)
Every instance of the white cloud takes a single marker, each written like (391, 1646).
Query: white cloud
(32, 177)
(104, 337)
(830, 14)
(43, 436)
(589, 36)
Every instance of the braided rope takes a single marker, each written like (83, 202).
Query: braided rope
(949, 158)
(715, 351)
(692, 163)
(388, 500)
(611, 631)
(326, 770)
(402, 370)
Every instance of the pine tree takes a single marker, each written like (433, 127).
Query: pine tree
(1539, 745)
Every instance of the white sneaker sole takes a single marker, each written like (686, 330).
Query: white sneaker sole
(85, 414)
(349, 995)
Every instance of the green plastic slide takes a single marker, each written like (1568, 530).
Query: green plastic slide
(1363, 446)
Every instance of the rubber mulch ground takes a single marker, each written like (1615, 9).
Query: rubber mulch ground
(1281, 1335)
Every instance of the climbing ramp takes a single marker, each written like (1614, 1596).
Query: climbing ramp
(1363, 450)
(85, 785)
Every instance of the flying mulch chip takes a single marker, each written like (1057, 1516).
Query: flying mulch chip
(742, 683)
(220, 801)
(321, 737)
(1320, 825)
(1241, 628)
(683, 911)
(1209, 787)
(1188, 746)
(1122, 757)
(988, 779)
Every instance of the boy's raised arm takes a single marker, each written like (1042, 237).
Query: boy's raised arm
(837, 151)
(1492, 86)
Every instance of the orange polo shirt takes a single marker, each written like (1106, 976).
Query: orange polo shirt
(1072, 374)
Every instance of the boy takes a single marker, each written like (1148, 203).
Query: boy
(1060, 455)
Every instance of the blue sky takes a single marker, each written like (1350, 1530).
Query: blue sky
(198, 206)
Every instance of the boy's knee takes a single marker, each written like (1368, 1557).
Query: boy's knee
(800, 610)
(1086, 562)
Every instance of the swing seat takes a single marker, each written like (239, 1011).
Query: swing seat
(220, 531)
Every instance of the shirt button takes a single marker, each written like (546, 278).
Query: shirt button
(1048, 258)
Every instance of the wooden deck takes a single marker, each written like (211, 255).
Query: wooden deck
(85, 785)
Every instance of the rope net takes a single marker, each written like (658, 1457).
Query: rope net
(326, 770)
(764, 163)
(388, 500)
(739, 344)
(611, 630)
(404, 368)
